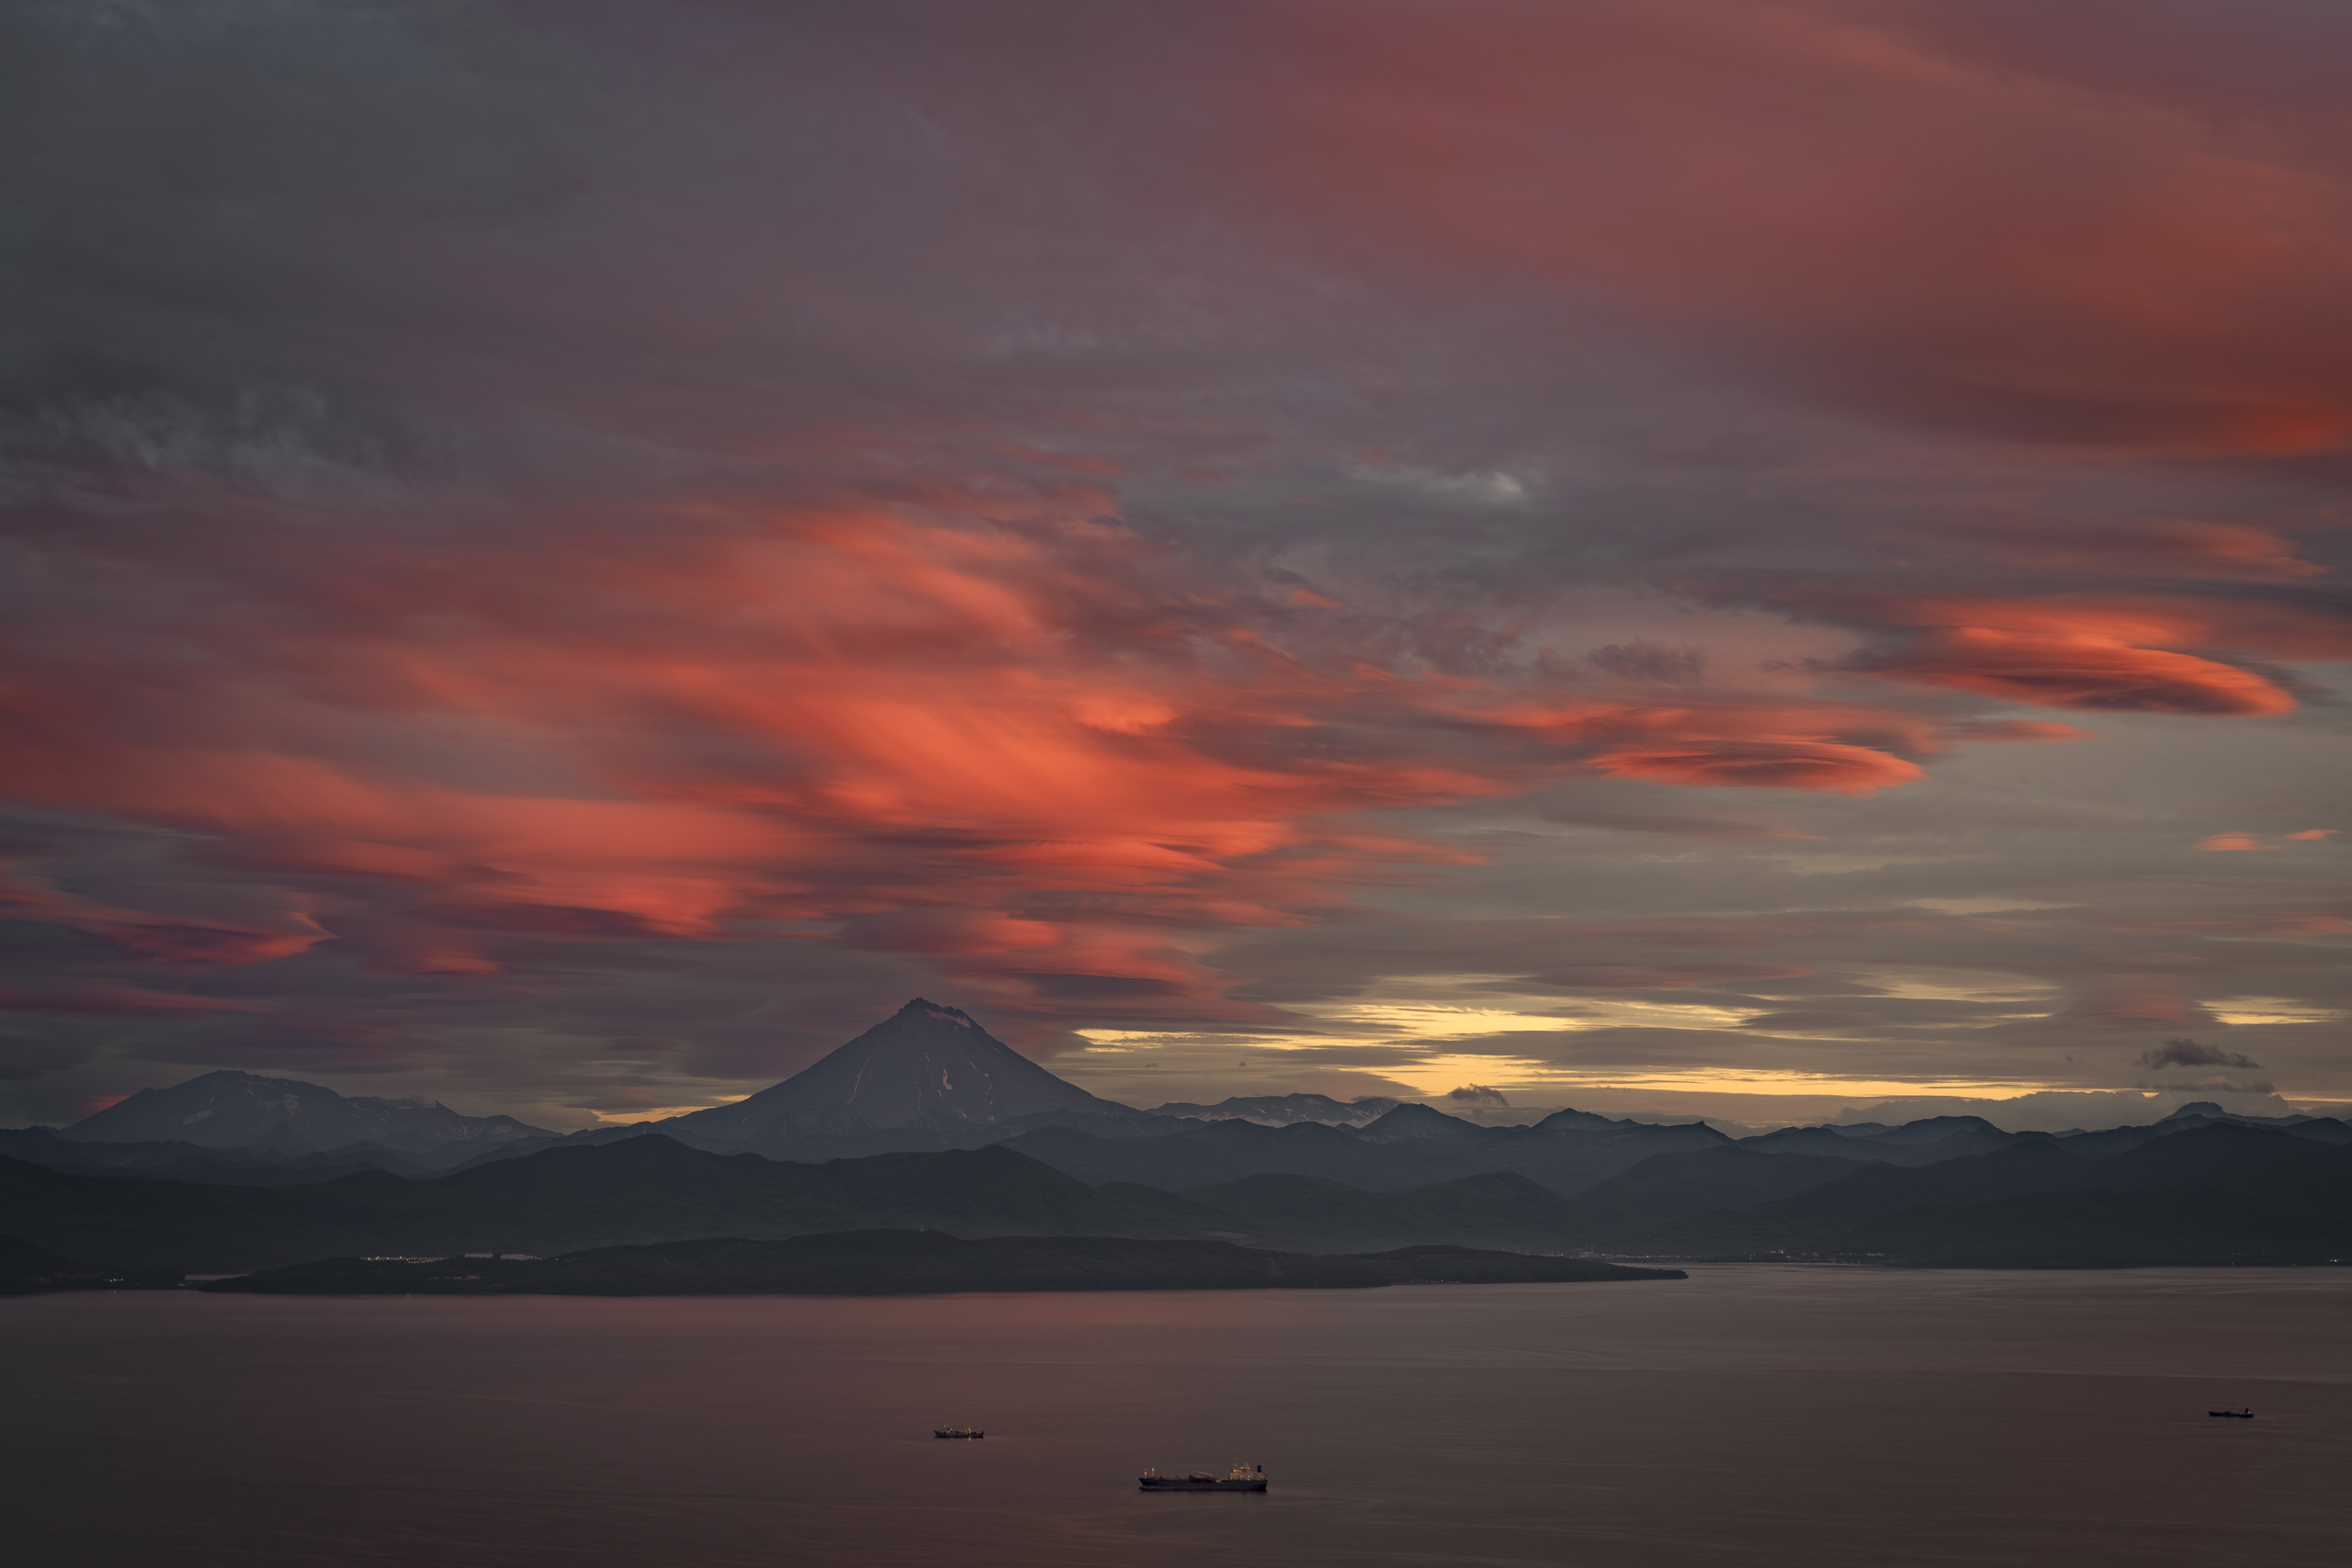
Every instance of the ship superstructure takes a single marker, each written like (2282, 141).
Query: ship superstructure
(1243, 1477)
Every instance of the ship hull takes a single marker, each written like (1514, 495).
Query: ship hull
(1165, 1483)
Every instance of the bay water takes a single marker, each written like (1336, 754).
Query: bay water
(1751, 1415)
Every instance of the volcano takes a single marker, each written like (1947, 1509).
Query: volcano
(926, 1066)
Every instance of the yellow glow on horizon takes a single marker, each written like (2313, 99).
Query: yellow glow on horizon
(1434, 1075)
(2271, 1010)
(1443, 1020)
(1443, 1073)
(1792, 1083)
(660, 1112)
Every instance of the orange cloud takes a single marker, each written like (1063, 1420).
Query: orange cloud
(2228, 842)
(1024, 751)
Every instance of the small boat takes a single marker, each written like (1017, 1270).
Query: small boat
(958, 1432)
(2243, 1413)
(1240, 1478)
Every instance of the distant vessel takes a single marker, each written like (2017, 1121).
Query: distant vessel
(2244, 1412)
(959, 1432)
(1240, 1478)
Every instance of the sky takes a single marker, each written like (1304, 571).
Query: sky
(1700, 556)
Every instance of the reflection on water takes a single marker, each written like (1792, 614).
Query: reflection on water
(1751, 1416)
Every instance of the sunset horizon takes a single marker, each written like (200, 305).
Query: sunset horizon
(822, 702)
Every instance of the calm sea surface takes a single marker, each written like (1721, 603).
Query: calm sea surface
(1751, 1415)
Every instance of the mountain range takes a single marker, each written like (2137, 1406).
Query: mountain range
(976, 1140)
(244, 1110)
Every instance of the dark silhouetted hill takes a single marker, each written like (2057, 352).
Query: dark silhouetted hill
(25, 1267)
(639, 1191)
(2040, 1201)
(1929, 1141)
(1409, 1146)
(1305, 1188)
(2296, 1208)
(239, 1167)
(2121, 1140)
(1667, 1188)
(1206, 1153)
(1314, 1214)
(898, 1262)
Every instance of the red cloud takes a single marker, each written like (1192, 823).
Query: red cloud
(2158, 283)
(2083, 672)
(2232, 841)
(1775, 764)
(2117, 655)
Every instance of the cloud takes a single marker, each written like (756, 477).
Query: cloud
(2219, 1085)
(2186, 1053)
(1763, 764)
(2084, 672)
(694, 533)
(119, 1002)
(1476, 1094)
(1987, 296)
(1640, 660)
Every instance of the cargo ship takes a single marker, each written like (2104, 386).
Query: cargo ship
(1240, 1478)
(958, 1432)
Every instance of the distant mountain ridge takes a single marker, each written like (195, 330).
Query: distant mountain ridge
(230, 1110)
(1283, 1110)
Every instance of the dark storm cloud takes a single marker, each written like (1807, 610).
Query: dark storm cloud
(537, 529)
(2187, 1053)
